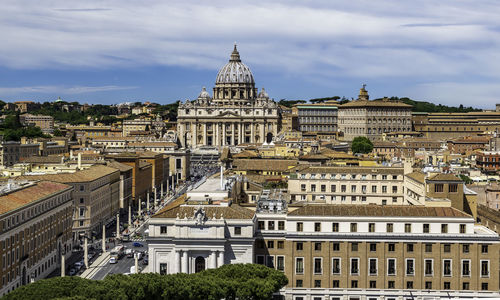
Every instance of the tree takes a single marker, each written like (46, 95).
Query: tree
(57, 132)
(361, 144)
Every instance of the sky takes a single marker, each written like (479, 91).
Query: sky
(111, 51)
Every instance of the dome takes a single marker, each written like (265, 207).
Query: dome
(204, 94)
(235, 71)
(263, 94)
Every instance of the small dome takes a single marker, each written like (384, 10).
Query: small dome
(235, 71)
(263, 94)
(204, 94)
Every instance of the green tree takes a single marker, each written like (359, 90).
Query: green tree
(361, 144)
(57, 132)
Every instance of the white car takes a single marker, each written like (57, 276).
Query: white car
(113, 260)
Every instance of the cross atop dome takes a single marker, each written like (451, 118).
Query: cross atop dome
(235, 56)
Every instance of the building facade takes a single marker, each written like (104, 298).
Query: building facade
(318, 117)
(372, 119)
(46, 123)
(236, 114)
(35, 230)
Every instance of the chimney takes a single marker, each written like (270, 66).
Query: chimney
(79, 161)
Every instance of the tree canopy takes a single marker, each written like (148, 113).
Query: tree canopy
(233, 281)
(361, 144)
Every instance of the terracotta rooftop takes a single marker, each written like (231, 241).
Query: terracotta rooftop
(417, 176)
(352, 169)
(19, 198)
(377, 211)
(444, 177)
(246, 154)
(152, 144)
(277, 165)
(42, 159)
(233, 211)
(119, 166)
(90, 174)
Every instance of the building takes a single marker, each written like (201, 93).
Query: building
(136, 125)
(488, 161)
(12, 152)
(348, 185)
(126, 181)
(94, 131)
(372, 119)
(468, 144)
(317, 117)
(96, 196)
(235, 115)
(35, 230)
(26, 106)
(46, 123)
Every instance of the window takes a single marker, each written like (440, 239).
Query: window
(373, 247)
(409, 284)
(336, 265)
(281, 244)
(354, 284)
(300, 226)
(428, 248)
(428, 269)
(390, 284)
(391, 247)
(354, 227)
(426, 228)
(484, 286)
(446, 267)
(409, 247)
(465, 267)
(462, 228)
(336, 246)
(298, 283)
(373, 284)
(318, 265)
(335, 227)
(394, 189)
(374, 188)
(428, 285)
(444, 228)
(384, 177)
(391, 266)
(82, 211)
(163, 269)
(390, 227)
(299, 246)
(163, 229)
(270, 244)
(82, 188)
(323, 188)
(302, 187)
(446, 285)
(371, 227)
(317, 283)
(343, 188)
(317, 246)
(384, 189)
(270, 261)
(333, 188)
(485, 268)
(261, 225)
(270, 225)
(354, 266)
(354, 246)
(484, 248)
(465, 286)
(281, 225)
(237, 230)
(372, 266)
(81, 200)
(280, 263)
(465, 248)
(313, 188)
(335, 284)
(438, 188)
(299, 265)
(353, 189)
(408, 228)
(453, 188)
(447, 248)
(317, 227)
(410, 267)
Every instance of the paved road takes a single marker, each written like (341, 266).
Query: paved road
(123, 265)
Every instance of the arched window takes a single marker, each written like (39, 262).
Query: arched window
(199, 264)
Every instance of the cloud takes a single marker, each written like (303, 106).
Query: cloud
(50, 89)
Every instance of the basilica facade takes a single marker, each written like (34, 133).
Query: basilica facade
(237, 112)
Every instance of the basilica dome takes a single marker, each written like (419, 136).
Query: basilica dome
(235, 71)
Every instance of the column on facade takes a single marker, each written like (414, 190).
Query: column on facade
(212, 260)
(232, 133)
(240, 133)
(205, 134)
(184, 262)
(216, 134)
(177, 261)
(195, 134)
(262, 138)
(252, 138)
(223, 134)
(220, 259)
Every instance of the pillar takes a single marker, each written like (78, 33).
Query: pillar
(136, 263)
(216, 136)
(212, 260)
(223, 134)
(103, 238)
(232, 134)
(147, 201)
(154, 200)
(129, 216)
(177, 261)
(63, 266)
(252, 138)
(118, 225)
(140, 207)
(86, 252)
(204, 134)
(220, 259)
(184, 262)
(195, 135)
(262, 137)
(161, 190)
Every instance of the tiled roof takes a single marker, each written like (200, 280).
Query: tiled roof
(245, 154)
(352, 169)
(377, 211)
(417, 176)
(233, 211)
(19, 198)
(42, 159)
(278, 165)
(119, 166)
(90, 174)
(444, 177)
(152, 144)
(374, 103)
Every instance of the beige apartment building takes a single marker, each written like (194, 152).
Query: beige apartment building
(236, 114)
(135, 125)
(35, 230)
(46, 123)
(373, 118)
(348, 185)
(96, 196)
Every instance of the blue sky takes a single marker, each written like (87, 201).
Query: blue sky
(110, 51)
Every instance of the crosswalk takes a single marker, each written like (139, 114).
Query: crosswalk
(138, 239)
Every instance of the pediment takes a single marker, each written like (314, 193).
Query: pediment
(228, 114)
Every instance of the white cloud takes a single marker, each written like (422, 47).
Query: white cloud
(51, 89)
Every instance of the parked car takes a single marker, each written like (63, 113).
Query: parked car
(72, 272)
(137, 244)
(145, 261)
(129, 253)
(113, 260)
(78, 265)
